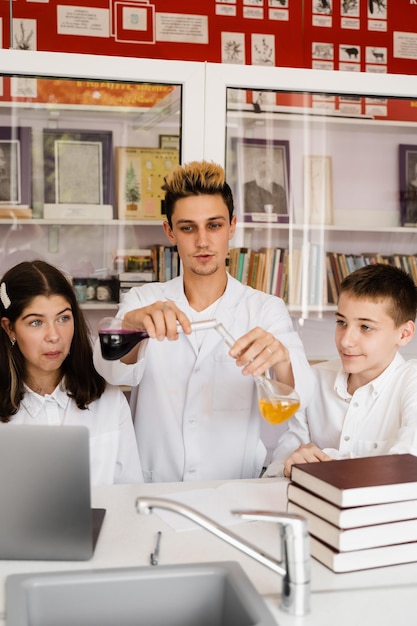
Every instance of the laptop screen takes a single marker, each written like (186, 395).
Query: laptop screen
(45, 500)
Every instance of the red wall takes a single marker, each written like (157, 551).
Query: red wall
(295, 28)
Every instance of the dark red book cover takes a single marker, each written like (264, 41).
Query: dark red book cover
(360, 481)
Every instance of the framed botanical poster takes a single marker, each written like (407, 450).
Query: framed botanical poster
(78, 170)
(15, 171)
(408, 184)
(140, 176)
(318, 189)
(260, 178)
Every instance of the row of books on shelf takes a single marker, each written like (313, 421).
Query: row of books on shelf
(295, 275)
(340, 265)
(138, 266)
(299, 276)
(273, 270)
(167, 262)
(309, 275)
(361, 513)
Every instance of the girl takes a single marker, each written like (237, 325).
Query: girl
(47, 374)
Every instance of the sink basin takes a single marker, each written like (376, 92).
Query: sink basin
(205, 594)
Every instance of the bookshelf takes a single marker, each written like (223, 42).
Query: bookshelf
(350, 247)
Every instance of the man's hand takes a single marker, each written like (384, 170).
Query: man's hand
(160, 320)
(306, 453)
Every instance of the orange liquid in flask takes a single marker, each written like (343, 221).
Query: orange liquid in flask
(278, 411)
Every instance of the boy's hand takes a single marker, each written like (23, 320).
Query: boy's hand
(306, 453)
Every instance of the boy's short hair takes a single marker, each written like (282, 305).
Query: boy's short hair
(384, 282)
(194, 179)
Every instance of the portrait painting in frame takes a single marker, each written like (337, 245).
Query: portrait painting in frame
(261, 179)
(408, 184)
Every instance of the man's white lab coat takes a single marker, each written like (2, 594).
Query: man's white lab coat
(196, 415)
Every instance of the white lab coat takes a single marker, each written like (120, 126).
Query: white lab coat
(196, 416)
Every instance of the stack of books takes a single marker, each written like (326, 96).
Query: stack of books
(361, 513)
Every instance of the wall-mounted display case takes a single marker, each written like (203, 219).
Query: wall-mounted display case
(340, 146)
(85, 143)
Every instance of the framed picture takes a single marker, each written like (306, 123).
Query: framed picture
(140, 176)
(408, 184)
(258, 170)
(78, 174)
(318, 189)
(15, 167)
(168, 142)
(133, 22)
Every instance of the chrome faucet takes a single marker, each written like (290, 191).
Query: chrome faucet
(294, 566)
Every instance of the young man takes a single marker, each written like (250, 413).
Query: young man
(194, 399)
(365, 403)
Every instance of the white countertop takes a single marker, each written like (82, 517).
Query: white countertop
(378, 596)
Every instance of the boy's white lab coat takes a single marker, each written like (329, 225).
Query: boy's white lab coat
(196, 415)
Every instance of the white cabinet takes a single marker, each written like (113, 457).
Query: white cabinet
(350, 123)
(335, 116)
(138, 103)
(82, 100)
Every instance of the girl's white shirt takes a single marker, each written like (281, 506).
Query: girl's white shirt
(114, 456)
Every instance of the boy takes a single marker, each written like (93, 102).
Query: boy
(365, 403)
(196, 413)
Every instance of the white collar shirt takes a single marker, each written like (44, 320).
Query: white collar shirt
(379, 418)
(113, 451)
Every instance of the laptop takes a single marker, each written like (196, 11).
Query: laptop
(45, 495)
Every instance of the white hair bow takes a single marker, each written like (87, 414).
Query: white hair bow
(4, 297)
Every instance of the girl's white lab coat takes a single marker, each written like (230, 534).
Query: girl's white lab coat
(196, 414)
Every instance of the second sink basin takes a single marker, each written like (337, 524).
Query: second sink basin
(206, 594)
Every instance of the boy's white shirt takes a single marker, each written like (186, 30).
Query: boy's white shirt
(379, 418)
